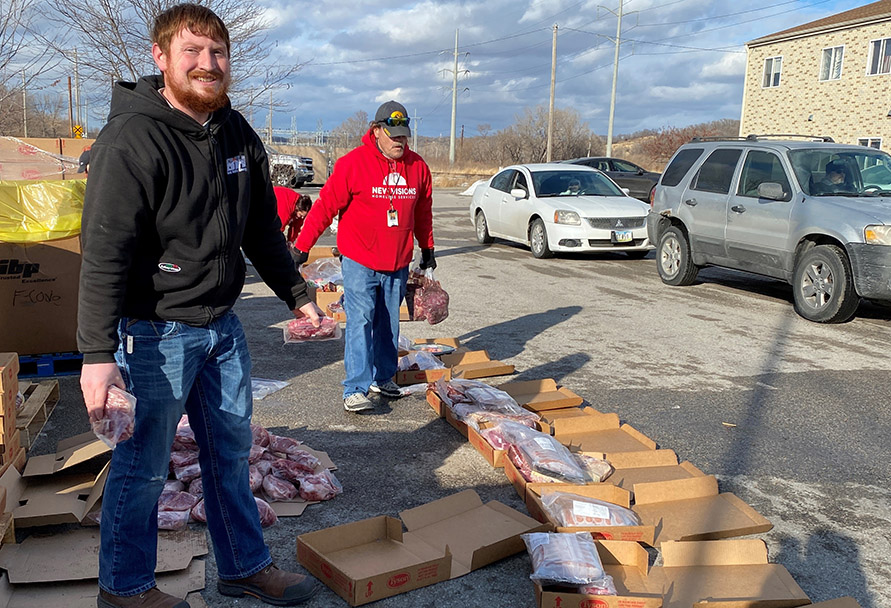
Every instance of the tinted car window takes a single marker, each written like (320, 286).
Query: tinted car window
(521, 182)
(679, 166)
(716, 172)
(503, 180)
(623, 165)
(758, 168)
(556, 183)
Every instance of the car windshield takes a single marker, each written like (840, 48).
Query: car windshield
(573, 183)
(842, 171)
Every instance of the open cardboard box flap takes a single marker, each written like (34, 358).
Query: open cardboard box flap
(541, 395)
(69, 452)
(724, 574)
(600, 435)
(54, 499)
(74, 555)
(475, 364)
(692, 509)
(648, 466)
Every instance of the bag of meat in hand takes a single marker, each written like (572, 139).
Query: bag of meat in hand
(117, 420)
(431, 300)
(302, 330)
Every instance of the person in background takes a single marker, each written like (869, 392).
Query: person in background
(180, 185)
(383, 194)
(573, 188)
(834, 179)
(292, 210)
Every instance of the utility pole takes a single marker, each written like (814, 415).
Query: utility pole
(269, 120)
(553, 86)
(414, 131)
(454, 104)
(24, 106)
(76, 91)
(612, 102)
(70, 114)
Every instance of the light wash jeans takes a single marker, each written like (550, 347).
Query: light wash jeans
(205, 371)
(371, 301)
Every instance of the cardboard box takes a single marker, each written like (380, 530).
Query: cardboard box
(320, 251)
(453, 342)
(475, 364)
(692, 509)
(541, 395)
(600, 435)
(420, 376)
(9, 388)
(38, 296)
(612, 494)
(69, 452)
(10, 447)
(324, 298)
(627, 564)
(648, 466)
(372, 559)
(493, 456)
(52, 499)
(436, 403)
(550, 416)
(731, 573)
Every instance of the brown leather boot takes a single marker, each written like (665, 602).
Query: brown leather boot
(272, 586)
(153, 598)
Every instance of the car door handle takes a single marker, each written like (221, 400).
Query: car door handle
(738, 209)
(691, 202)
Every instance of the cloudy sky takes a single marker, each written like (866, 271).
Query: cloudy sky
(682, 61)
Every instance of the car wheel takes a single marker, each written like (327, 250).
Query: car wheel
(673, 258)
(637, 255)
(280, 178)
(538, 240)
(823, 285)
(482, 229)
(297, 185)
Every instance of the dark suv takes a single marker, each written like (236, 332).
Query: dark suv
(813, 213)
(638, 180)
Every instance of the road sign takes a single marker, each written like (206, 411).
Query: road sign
(78, 131)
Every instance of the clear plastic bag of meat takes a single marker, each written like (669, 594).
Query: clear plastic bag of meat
(542, 454)
(255, 478)
(572, 510)
(177, 501)
(187, 473)
(117, 420)
(563, 558)
(196, 488)
(173, 520)
(425, 297)
(174, 485)
(323, 273)
(418, 359)
(259, 435)
(604, 586)
(288, 470)
(284, 445)
(335, 307)
(256, 453)
(182, 458)
(597, 469)
(302, 330)
(279, 489)
(320, 486)
(267, 515)
(474, 402)
(264, 467)
(198, 513)
(185, 436)
(304, 460)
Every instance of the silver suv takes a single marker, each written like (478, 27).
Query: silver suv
(811, 212)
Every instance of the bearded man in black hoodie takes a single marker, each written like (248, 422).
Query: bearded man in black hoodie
(178, 186)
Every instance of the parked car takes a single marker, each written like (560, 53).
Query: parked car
(815, 214)
(638, 180)
(289, 170)
(559, 207)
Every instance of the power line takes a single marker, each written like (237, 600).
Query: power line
(715, 17)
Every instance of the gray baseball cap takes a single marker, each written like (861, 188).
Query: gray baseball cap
(394, 119)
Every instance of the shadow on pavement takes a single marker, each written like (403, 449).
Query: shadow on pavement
(508, 339)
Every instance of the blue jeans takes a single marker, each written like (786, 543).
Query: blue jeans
(172, 367)
(371, 301)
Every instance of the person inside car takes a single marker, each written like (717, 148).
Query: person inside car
(575, 187)
(835, 180)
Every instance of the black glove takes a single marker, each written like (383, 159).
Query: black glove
(298, 256)
(427, 259)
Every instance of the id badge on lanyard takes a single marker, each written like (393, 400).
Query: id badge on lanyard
(392, 218)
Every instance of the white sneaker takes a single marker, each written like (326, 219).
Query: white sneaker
(388, 389)
(357, 402)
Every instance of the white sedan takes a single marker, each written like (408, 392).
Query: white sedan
(556, 207)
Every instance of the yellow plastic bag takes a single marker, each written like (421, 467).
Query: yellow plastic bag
(36, 211)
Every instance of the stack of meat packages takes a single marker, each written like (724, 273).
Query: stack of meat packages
(280, 470)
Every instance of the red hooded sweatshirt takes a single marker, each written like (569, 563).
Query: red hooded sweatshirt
(364, 185)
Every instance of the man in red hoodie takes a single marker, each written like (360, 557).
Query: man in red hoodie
(383, 194)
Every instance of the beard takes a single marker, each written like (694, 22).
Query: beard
(194, 100)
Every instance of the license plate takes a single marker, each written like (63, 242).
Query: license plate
(622, 236)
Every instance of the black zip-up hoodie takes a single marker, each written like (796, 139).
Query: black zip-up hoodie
(168, 206)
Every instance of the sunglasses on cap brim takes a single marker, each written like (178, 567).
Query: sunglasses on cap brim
(396, 121)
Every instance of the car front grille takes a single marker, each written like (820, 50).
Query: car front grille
(607, 244)
(617, 223)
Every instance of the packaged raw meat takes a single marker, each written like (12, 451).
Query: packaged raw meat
(117, 420)
(197, 512)
(284, 445)
(335, 307)
(196, 487)
(267, 515)
(572, 510)
(304, 460)
(174, 485)
(321, 486)
(542, 453)
(187, 473)
(279, 489)
(474, 402)
(176, 501)
(173, 520)
(431, 301)
(563, 558)
(418, 359)
(493, 437)
(185, 436)
(289, 470)
(255, 477)
(259, 435)
(604, 586)
(596, 468)
(182, 458)
(263, 466)
(323, 273)
(256, 453)
(302, 330)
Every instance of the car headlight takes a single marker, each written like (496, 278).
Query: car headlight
(566, 217)
(877, 234)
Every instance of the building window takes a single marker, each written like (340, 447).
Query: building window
(871, 142)
(831, 67)
(880, 56)
(772, 67)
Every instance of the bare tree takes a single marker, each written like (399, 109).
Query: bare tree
(526, 140)
(661, 145)
(348, 134)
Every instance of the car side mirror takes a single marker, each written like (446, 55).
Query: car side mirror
(518, 193)
(640, 171)
(627, 191)
(771, 191)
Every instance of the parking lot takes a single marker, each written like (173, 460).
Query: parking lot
(792, 416)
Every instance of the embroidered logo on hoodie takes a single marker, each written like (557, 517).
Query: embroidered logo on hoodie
(166, 267)
(394, 185)
(236, 164)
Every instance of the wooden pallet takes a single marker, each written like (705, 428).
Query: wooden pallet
(40, 400)
(7, 529)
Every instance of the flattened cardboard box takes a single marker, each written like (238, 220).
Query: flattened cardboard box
(626, 563)
(648, 466)
(733, 573)
(372, 559)
(643, 533)
(51, 499)
(692, 509)
(474, 364)
(541, 395)
(600, 435)
(69, 452)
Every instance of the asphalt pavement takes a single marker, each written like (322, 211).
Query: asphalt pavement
(791, 416)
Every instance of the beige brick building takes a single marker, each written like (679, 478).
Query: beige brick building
(827, 77)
